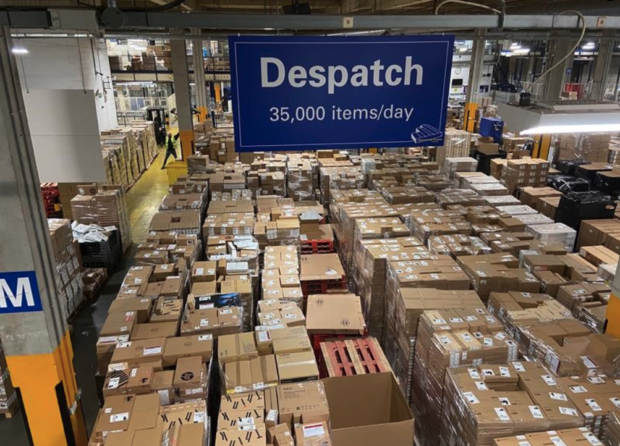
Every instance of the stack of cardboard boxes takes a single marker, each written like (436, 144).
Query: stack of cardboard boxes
(569, 348)
(302, 178)
(68, 267)
(457, 143)
(523, 173)
(568, 437)
(589, 147)
(485, 402)
(106, 207)
(401, 325)
(370, 273)
(449, 339)
(129, 420)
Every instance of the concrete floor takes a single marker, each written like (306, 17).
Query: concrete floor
(143, 202)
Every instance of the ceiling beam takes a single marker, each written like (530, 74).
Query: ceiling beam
(187, 5)
(86, 20)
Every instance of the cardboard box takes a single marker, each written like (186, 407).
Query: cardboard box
(247, 401)
(203, 321)
(116, 415)
(314, 434)
(335, 314)
(163, 385)
(142, 307)
(105, 350)
(237, 347)
(138, 352)
(294, 344)
(295, 367)
(154, 330)
(118, 323)
(204, 271)
(255, 437)
(256, 373)
(323, 267)
(186, 346)
(303, 402)
(190, 374)
(140, 380)
(266, 338)
(242, 419)
(368, 410)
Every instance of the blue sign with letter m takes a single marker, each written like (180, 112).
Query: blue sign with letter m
(19, 292)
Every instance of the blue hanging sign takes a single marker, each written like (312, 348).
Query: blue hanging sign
(308, 93)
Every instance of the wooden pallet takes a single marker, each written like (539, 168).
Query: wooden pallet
(353, 357)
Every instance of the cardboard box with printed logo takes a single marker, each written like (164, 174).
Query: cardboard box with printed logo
(154, 330)
(186, 346)
(304, 402)
(203, 321)
(138, 352)
(190, 379)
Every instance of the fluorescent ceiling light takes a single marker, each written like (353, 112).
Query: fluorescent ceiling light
(588, 45)
(515, 46)
(521, 51)
(19, 51)
(462, 50)
(561, 117)
(570, 128)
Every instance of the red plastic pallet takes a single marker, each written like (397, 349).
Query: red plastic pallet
(310, 287)
(352, 357)
(317, 247)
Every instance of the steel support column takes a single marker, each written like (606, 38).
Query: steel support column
(183, 97)
(37, 343)
(602, 66)
(199, 77)
(473, 85)
(554, 81)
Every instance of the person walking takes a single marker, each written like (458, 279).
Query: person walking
(171, 151)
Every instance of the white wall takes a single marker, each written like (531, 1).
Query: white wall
(460, 70)
(69, 64)
(65, 135)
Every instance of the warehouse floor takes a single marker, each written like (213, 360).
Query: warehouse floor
(143, 201)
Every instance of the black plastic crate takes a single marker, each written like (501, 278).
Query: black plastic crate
(102, 254)
(577, 206)
(608, 183)
(567, 167)
(567, 184)
(590, 174)
(484, 160)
